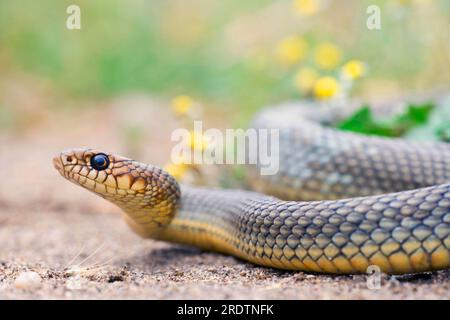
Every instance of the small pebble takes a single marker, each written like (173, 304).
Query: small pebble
(28, 280)
(76, 283)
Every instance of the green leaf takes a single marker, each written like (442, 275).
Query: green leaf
(358, 121)
(420, 113)
(363, 121)
(444, 133)
(437, 126)
(414, 115)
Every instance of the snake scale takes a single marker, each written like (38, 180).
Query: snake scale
(350, 200)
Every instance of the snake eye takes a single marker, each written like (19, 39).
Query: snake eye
(100, 161)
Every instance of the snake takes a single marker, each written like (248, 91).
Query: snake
(340, 203)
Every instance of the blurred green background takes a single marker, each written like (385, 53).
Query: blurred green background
(220, 52)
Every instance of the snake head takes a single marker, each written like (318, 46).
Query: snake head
(139, 189)
(102, 172)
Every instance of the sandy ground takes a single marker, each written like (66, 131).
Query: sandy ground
(79, 246)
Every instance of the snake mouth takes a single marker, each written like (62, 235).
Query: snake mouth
(57, 163)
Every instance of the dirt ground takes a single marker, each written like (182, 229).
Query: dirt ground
(80, 248)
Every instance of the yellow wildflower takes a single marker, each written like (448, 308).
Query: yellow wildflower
(291, 50)
(305, 79)
(354, 69)
(176, 170)
(197, 141)
(327, 56)
(326, 88)
(306, 7)
(182, 104)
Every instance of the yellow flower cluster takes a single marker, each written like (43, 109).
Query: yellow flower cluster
(319, 81)
(327, 56)
(291, 50)
(326, 88)
(197, 141)
(176, 170)
(188, 110)
(305, 79)
(182, 104)
(354, 69)
(306, 7)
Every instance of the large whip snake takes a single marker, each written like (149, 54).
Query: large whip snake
(396, 211)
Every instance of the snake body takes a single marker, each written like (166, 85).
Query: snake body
(364, 200)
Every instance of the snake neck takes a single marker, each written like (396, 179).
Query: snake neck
(149, 221)
(150, 209)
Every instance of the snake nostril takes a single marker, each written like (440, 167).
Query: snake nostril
(69, 159)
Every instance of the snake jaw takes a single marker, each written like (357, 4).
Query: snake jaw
(57, 164)
(147, 194)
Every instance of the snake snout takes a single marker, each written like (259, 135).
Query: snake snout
(57, 163)
(62, 159)
(65, 161)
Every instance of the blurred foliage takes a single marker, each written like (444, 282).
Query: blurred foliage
(363, 121)
(437, 126)
(221, 52)
(424, 122)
